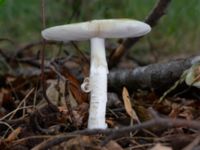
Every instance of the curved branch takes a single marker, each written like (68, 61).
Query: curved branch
(152, 19)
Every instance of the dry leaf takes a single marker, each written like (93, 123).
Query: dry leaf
(6, 100)
(77, 143)
(159, 146)
(128, 106)
(80, 114)
(72, 101)
(55, 92)
(74, 88)
(13, 135)
(112, 145)
(187, 112)
(175, 110)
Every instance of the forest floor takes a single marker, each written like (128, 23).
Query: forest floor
(50, 111)
(150, 106)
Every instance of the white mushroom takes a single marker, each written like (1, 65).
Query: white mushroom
(97, 31)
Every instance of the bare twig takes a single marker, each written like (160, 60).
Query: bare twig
(42, 55)
(43, 14)
(76, 7)
(81, 53)
(152, 19)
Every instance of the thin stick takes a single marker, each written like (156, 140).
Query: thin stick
(79, 51)
(23, 102)
(42, 54)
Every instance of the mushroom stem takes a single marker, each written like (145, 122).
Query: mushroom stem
(98, 85)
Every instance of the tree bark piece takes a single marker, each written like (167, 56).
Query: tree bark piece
(157, 76)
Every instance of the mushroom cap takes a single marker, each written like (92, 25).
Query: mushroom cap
(106, 28)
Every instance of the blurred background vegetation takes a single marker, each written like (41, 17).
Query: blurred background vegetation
(177, 32)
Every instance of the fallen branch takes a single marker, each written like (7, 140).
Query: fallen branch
(116, 133)
(152, 19)
(157, 76)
